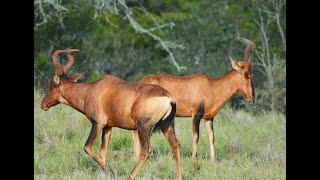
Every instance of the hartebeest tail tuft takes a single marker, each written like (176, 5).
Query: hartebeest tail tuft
(167, 120)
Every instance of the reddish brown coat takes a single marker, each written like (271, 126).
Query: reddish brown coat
(199, 96)
(112, 102)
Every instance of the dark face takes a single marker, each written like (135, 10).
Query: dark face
(244, 80)
(246, 88)
(52, 97)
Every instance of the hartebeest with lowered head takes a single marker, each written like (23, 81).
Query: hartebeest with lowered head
(112, 102)
(200, 96)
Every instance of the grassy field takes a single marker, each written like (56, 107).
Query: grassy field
(248, 147)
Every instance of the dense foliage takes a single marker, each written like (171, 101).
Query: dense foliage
(132, 39)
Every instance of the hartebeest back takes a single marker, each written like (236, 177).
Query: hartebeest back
(112, 102)
(200, 96)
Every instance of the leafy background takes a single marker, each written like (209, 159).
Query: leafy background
(131, 39)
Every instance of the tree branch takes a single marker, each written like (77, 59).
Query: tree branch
(277, 6)
(44, 16)
(137, 27)
(56, 5)
(170, 24)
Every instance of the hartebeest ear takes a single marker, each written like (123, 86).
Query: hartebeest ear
(237, 66)
(75, 78)
(56, 80)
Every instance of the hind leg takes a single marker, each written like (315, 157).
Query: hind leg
(106, 134)
(195, 135)
(136, 144)
(209, 125)
(170, 135)
(144, 132)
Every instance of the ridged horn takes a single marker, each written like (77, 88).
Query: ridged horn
(55, 59)
(67, 67)
(251, 46)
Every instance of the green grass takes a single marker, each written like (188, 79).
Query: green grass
(248, 147)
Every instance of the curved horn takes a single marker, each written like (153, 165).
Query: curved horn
(55, 59)
(67, 67)
(251, 46)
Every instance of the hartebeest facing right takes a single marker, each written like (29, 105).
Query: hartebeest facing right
(112, 102)
(200, 96)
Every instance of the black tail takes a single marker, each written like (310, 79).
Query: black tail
(164, 124)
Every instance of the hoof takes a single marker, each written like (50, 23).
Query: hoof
(109, 173)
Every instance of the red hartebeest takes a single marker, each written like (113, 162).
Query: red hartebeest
(112, 102)
(200, 96)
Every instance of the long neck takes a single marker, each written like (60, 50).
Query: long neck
(75, 94)
(223, 89)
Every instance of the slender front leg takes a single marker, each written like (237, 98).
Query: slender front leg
(136, 143)
(170, 135)
(106, 134)
(195, 135)
(95, 131)
(209, 125)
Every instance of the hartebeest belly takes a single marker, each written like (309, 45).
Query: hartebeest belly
(190, 92)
